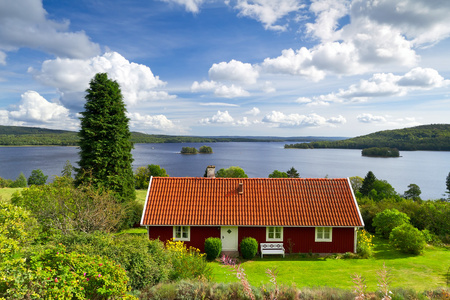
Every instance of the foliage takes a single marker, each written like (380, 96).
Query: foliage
(413, 192)
(380, 152)
(213, 248)
(105, 146)
(54, 273)
(365, 244)
(407, 238)
(146, 261)
(187, 262)
(387, 220)
(20, 182)
(205, 149)
(189, 150)
(367, 184)
(292, 173)
(142, 175)
(356, 183)
(67, 170)
(278, 174)
(63, 207)
(231, 172)
(382, 190)
(37, 177)
(447, 184)
(425, 137)
(5, 182)
(249, 247)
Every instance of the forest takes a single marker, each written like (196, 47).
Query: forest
(435, 137)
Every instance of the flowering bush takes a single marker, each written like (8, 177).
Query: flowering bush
(55, 274)
(365, 245)
(187, 262)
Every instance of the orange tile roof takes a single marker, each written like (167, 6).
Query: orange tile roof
(264, 202)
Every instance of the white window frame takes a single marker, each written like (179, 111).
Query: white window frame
(184, 233)
(321, 232)
(274, 231)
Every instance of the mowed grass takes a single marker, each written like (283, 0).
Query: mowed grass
(419, 273)
(6, 193)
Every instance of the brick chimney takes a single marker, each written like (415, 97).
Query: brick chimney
(211, 171)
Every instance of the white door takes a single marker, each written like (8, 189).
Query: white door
(229, 238)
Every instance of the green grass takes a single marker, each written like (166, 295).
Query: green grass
(6, 193)
(140, 195)
(420, 273)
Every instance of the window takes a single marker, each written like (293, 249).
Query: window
(274, 233)
(324, 234)
(182, 233)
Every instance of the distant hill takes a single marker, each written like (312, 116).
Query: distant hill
(425, 137)
(33, 136)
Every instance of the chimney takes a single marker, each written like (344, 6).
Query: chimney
(211, 171)
(241, 188)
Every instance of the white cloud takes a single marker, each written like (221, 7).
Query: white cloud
(234, 71)
(72, 76)
(219, 118)
(33, 109)
(230, 91)
(268, 12)
(219, 104)
(192, 6)
(2, 58)
(254, 111)
(203, 86)
(24, 23)
(244, 122)
(268, 88)
(146, 122)
(369, 118)
(327, 12)
(280, 119)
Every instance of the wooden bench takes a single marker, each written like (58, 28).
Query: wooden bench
(272, 248)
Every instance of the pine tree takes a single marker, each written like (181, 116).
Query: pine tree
(105, 146)
(292, 173)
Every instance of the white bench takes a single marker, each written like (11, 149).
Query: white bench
(272, 248)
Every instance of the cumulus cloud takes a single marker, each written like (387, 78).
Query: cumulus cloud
(192, 6)
(268, 12)
(220, 90)
(147, 122)
(71, 77)
(25, 23)
(382, 85)
(33, 109)
(254, 111)
(369, 118)
(328, 13)
(234, 71)
(280, 119)
(219, 118)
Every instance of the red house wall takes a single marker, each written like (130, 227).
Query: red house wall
(302, 238)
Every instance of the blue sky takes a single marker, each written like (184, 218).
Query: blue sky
(236, 67)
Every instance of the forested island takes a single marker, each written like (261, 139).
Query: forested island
(380, 152)
(435, 137)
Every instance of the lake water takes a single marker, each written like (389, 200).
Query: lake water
(427, 169)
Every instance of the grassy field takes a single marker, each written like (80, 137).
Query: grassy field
(420, 273)
(6, 193)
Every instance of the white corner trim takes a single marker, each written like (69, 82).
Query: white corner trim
(146, 199)
(356, 202)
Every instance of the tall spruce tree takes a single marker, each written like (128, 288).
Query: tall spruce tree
(368, 184)
(105, 146)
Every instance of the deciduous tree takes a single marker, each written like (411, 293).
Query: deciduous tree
(231, 172)
(37, 177)
(278, 174)
(105, 146)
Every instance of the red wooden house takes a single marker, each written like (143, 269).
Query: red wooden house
(306, 215)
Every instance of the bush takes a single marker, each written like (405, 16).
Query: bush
(213, 248)
(365, 245)
(387, 220)
(20, 182)
(408, 239)
(249, 247)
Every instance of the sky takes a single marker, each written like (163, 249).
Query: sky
(230, 68)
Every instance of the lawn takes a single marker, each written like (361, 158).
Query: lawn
(420, 273)
(6, 193)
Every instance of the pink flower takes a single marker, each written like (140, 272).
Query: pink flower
(56, 279)
(100, 265)
(84, 273)
(99, 275)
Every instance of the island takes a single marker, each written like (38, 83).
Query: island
(380, 152)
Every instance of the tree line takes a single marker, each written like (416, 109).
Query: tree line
(435, 137)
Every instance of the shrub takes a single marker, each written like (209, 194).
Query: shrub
(187, 262)
(387, 220)
(20, 182)
(249, 247)
(365, 245)
(408, 239)
(213, 248)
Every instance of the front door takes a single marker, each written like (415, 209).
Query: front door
(229, 238)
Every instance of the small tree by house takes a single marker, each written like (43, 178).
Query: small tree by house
(231, 172)
(278, 174)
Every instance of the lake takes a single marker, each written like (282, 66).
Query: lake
(427, 169)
